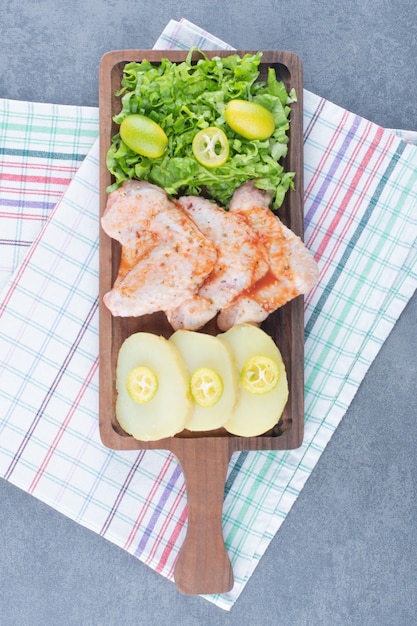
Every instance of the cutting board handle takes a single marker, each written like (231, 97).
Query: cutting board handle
(203, 565)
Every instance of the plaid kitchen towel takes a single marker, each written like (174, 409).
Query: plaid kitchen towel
(360, 224)
(41, 148)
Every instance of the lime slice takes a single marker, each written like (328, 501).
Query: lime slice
(249, 119)
(211, 147)
(259, 374)
(142, 384)
(206, 387)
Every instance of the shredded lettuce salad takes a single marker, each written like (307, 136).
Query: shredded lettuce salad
(186, 97)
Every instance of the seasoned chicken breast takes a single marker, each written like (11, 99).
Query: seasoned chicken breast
(241, 261)
(165, 258)
(292, 268)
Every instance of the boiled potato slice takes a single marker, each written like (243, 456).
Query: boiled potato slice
(204, 354)
(169, 406)
(255, 412)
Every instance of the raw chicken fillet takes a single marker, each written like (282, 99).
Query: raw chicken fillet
(195, 261)
(292, 269)
(241, 261)
(165, 257)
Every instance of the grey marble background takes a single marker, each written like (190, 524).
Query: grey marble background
(347, 553)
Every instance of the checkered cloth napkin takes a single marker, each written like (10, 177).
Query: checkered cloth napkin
(360, 224)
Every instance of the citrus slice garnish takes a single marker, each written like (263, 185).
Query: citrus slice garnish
(142, 384)
(143, 136)
(211, 147)
(206, 387)
(259, 374)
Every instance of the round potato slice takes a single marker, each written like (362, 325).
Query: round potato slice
(256, 412)
(211, 369)
(147, 359)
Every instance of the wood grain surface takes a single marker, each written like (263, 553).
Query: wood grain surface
(203, 565)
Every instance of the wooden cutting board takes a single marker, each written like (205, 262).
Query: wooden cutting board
(203, 565)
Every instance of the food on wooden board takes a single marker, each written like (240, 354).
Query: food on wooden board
(211, 147)
(165, 257)
(241, 261)
(292, 269)
(209, 124)
(192, 259)
(249, 119)
(235, 380)
(163, 412)
(212, 375)
(144, 136)
(263, 385)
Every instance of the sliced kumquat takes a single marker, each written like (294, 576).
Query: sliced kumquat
(259, 374)
(206, 387)
(142, 384)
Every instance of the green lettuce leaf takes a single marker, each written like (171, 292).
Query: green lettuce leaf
(183, 98)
